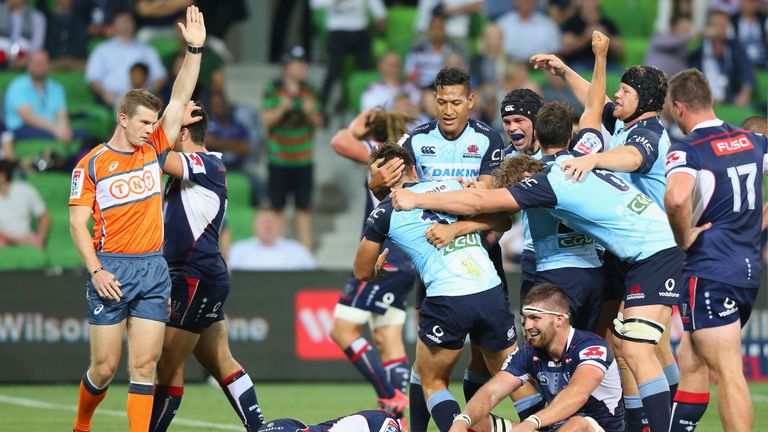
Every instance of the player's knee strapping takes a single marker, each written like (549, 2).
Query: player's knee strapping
(393, 316)
(637, 329)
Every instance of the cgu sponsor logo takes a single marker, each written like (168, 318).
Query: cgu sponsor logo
(128, 187)
(574, 241)
(731, 145)
(639, 203)
(462, 242)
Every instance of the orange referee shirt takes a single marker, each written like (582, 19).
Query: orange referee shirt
(124, 191)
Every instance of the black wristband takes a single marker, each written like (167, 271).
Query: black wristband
(90, 275)
(194, 49)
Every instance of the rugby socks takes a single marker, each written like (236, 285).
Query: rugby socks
(89, 398)
(139, 406)
(687, 410)
(657, 403)
(361, 354)
(419, 413)
(633, 414)
(672, 372)
(398, 373)
(529, 405)
(241, 395)
(472, 383)
(443, 407)
(164, 408)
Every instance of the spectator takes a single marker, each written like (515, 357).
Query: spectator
(291, 113)
(139, 74)
(457, 15)
(66, 37)
(157, 18)
(226, 134)
(496, 8)
(669, 51)
(577, 38)
(101, 15)
(528, 31)
(36, 106)
(487, 67)
(22, 31)
(424, 61)
(749, 27)
(667, 9)
(724, 63)
(385, 91)
(20, 207)
(6, 144)
(562, 10)
(269, 250)
(347, 24)
(108, 67)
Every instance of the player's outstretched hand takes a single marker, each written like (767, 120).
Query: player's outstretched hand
(188, 118)
(403, 199)
(548, 62)
(600, 44)
(107, 285)
(693, 234)
(441, 235)
(577, 169)
(194, 30)
(387, 175)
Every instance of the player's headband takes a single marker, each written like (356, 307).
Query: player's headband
(533, 309)
(518, 107)
(651, 87)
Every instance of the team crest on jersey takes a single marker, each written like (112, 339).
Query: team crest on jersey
(675, 158)
(595, 352)
(473, 152)
(403, 139)
(390, 426)
(588, 144)
(77, 183)
(198, 167)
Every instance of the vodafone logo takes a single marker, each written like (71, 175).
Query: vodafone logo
(136, 184)
(314, 319)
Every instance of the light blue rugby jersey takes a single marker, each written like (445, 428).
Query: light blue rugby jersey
(554, 244)
(615, 213)
(461, 268)
(650, 138)
(477, 151)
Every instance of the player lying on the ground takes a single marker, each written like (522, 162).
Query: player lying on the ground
(575, 370)
(464, 294)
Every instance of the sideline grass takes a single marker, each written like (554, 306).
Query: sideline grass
(33, 408)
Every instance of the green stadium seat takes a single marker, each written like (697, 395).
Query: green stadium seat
(240, 222)
(95, 118)
(318, 24)
(356, 85)
(612, 81)
(400, 28)
(53, 187)
(77, 90)
(761, 90)
(238, 190)
(6, 77)
(31, 147)
(165, 45)
(734, 114)
(634, 51)
(633, 17)
(22, 258)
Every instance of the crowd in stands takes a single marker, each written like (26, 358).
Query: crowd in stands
(65, 64)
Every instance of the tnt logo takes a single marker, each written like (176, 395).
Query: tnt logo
(136, 184)
(731, 145)
(593, 353)
(314, 319)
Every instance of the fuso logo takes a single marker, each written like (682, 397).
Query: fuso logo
(314, 318)
(135, 184)
(731, 145)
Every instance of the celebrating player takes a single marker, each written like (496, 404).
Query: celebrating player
(464, 294)
(713, 203)
(574, 368)
(382, 302)
(128, 287)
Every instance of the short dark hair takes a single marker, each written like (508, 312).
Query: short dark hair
(199, 129)
(691, 88)
(553, 125)
(550, 295)
(140, 66)
(7, 167)
(451, 77)
(756, 123)
(512, 170)
(389, 151)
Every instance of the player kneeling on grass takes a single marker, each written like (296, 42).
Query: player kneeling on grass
(361, 421)
(575, 369)
(464, 293)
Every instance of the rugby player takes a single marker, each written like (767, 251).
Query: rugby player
(714, 184)
(623, 219)
(195, 202)
(575, 370)
(381, 303)
(128, 287)
(464, 294)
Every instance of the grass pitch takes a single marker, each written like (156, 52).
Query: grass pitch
(38, 408)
